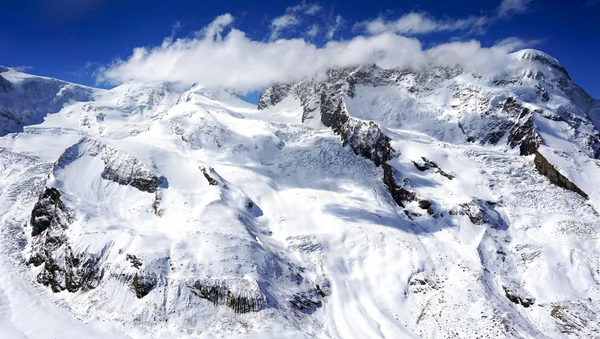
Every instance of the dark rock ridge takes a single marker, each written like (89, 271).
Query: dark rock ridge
(326, 98)
(5, 85)
(218, 293)
(143, 284)
(120, 167)
(49, 210)
(546, 169)
(401, 196)
(73, 271)
(516, 299)
(427, 164)
(138, 177)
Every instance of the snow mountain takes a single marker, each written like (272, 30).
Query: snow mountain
(362, 203)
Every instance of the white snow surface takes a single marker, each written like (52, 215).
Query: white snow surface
(289, 209)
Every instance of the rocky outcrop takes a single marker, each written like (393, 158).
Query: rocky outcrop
(62, 269)
(133, 174)
(401, 196)
(120, 167)
(5, 85)
(517, 299)
(525, 136)
(274, 95)
(143, 284)
(546, 169)
(211, 180)
(219, 293)
(49, 211)
(482, 212)
(427, 164)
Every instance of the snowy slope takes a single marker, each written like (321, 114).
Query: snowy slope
(374, 203)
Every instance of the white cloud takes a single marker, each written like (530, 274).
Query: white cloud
(420, 23)
(510, 7)
(312, 9)
(282, 22)
(305, 8)
(313, 31)
(215, 28)
(511, 44)
(293, 17)
(338, 22)
(236, 61)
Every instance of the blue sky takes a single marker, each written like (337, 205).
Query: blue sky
(72, 39)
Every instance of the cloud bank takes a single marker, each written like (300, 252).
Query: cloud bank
(223, 56)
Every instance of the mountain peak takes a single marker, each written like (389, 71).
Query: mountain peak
(535, 55)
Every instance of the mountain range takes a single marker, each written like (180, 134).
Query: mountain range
(360, 203)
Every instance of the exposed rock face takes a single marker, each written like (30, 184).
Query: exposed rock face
(401, 196)
(62, 268)
(218, 293)
(143, 284)
(427, 164)
(139, 177)
(5, 85)
(49, 210)
(327, 98)
(273, 95)
(525, 136)
(211, 180)
(546, 169)
(482, 212)
(513, 297)
(120, 167)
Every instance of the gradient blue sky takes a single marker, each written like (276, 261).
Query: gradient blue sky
(70, 39)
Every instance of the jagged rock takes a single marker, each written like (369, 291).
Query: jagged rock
(428, 164)
(327, 97)
(143, 284)
(135, 262)
(525, 136)
(120, 167)
(401, 196)
(546, 169)
(273, 95)
(510, 295)
(211, 180)
(132, 173)
(48, 210)
(62, 269)
(305, 302)
(218, 293)
(5, 85)
(482, 212)
(426, 205)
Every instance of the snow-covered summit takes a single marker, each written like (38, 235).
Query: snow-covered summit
(535, 55)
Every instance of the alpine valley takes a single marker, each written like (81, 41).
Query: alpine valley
(361, 203)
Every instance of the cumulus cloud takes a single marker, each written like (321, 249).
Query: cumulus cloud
(511, 7)
(421, 23)
(234, 60)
